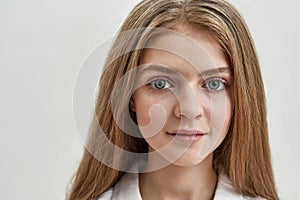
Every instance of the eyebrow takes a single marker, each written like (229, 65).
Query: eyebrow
(216, 71)
(169, 70)
(159, 68)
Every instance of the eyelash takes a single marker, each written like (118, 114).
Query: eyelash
(152, 87)
(219, 80)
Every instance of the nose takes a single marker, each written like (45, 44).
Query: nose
(189, 104)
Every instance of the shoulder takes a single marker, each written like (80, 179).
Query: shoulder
(128, 188)
(106, 195)
(225, 191)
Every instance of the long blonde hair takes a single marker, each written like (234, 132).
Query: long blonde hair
(244, 155)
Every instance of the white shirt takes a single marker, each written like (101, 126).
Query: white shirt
(127, 188)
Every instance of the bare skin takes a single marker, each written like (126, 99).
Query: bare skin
(180, 183)
(189, 177)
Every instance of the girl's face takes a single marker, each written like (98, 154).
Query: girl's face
(183, 111)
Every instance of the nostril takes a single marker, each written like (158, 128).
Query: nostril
(189, 110)
(190, 115)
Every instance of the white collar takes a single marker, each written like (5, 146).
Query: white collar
(127, 188)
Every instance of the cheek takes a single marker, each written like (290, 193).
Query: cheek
(151, 115)
(221, 112)
(222, 118)
(142, 113)
(149, 110)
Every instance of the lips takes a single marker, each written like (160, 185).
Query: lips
(189, 136)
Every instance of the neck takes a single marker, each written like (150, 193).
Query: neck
(180, 182)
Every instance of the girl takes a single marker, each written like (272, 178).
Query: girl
(180, 112)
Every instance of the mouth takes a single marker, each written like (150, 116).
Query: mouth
(187, 136)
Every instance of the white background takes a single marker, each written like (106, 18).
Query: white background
(44, 43)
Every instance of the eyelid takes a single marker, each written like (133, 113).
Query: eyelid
(156, 90)
(222, 80)
(215, 78)
(160, 78)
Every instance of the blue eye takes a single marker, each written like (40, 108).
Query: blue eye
(215, 84)
(160, 84)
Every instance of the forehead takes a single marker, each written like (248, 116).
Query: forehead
(185, 48)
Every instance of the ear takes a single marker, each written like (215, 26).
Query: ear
(132, 104)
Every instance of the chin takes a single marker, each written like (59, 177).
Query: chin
(189, 159)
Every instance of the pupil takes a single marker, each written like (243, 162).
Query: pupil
(214, 84)
(160, 84)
